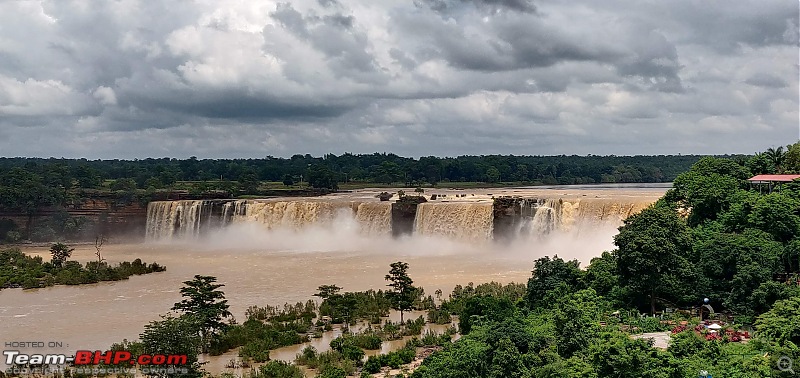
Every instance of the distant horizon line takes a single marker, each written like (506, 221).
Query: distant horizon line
(323, 156)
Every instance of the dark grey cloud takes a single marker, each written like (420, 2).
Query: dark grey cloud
(762, 79)
(337, 37)
(445, 77)
(446, 6)
(328, 3)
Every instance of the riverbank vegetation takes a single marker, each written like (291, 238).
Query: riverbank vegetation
(18, 270)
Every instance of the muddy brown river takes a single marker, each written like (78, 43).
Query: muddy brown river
(95, 316)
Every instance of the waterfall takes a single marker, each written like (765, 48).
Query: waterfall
(167, 219)
(506, 218)
(464, 221)
(374, 218)
(290, 214)
(539, 217)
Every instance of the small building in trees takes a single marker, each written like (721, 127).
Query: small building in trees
(769, 182)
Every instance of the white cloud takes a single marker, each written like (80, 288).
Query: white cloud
(105, 95)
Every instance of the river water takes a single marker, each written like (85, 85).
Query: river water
(261, 267)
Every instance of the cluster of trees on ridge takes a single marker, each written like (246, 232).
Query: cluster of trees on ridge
(375, 168)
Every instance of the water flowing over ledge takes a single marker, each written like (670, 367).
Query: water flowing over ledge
(502, 218)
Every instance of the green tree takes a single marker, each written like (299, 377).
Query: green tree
(278, 369)
(403, 291)
(548, 275)
(652, 250)
(124, 185)
(327, 291)
(154, 183)
(483, 309)
(320, 176)
(777, 214)
(204, 302)
(791, 257)
(576, 321)
(330, 371)
(173, 336)
(388, 172)
(791, 161)
(601, 274)
(23, 190)
(249, 183)
(60, 252)
(468, 357)
(776, 157)
(760, 163)
(493, 174)
(732, 266)
(617, 355)
(288, 180)
(707, 194)
(781, 324)
(87, 176)
(507, 362)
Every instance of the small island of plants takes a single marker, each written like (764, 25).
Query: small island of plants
(19, 270)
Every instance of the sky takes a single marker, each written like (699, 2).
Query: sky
(239, 79)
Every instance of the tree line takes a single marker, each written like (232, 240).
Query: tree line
(66, 174)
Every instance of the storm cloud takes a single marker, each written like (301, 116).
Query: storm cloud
(133, 78)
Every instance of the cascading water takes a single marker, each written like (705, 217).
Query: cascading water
(464, 221)
(291, 214)
(511, 218)
(538, 217)
(182, 219)
(167, 219)
(374, 218)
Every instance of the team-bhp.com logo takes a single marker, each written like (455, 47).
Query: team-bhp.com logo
(86, 357)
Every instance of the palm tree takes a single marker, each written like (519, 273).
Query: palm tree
(776, 156)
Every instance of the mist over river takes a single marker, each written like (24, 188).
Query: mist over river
(281, 250)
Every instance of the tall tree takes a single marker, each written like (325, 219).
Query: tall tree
(327, 291)
(791, 159)
(403, 290)
(60, 252)
(206, 304)
(548, 275)
(173, 336)
(781, 324)
(776, 156)
(652, 251)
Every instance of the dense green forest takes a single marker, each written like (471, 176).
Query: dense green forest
(376, 168)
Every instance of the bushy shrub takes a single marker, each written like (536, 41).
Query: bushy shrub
(278, 369)
(257, 350)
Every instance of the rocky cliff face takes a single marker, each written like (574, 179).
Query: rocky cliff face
(404, 211)
(84, 219)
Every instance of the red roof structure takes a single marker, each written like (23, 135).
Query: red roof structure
(758, 179)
